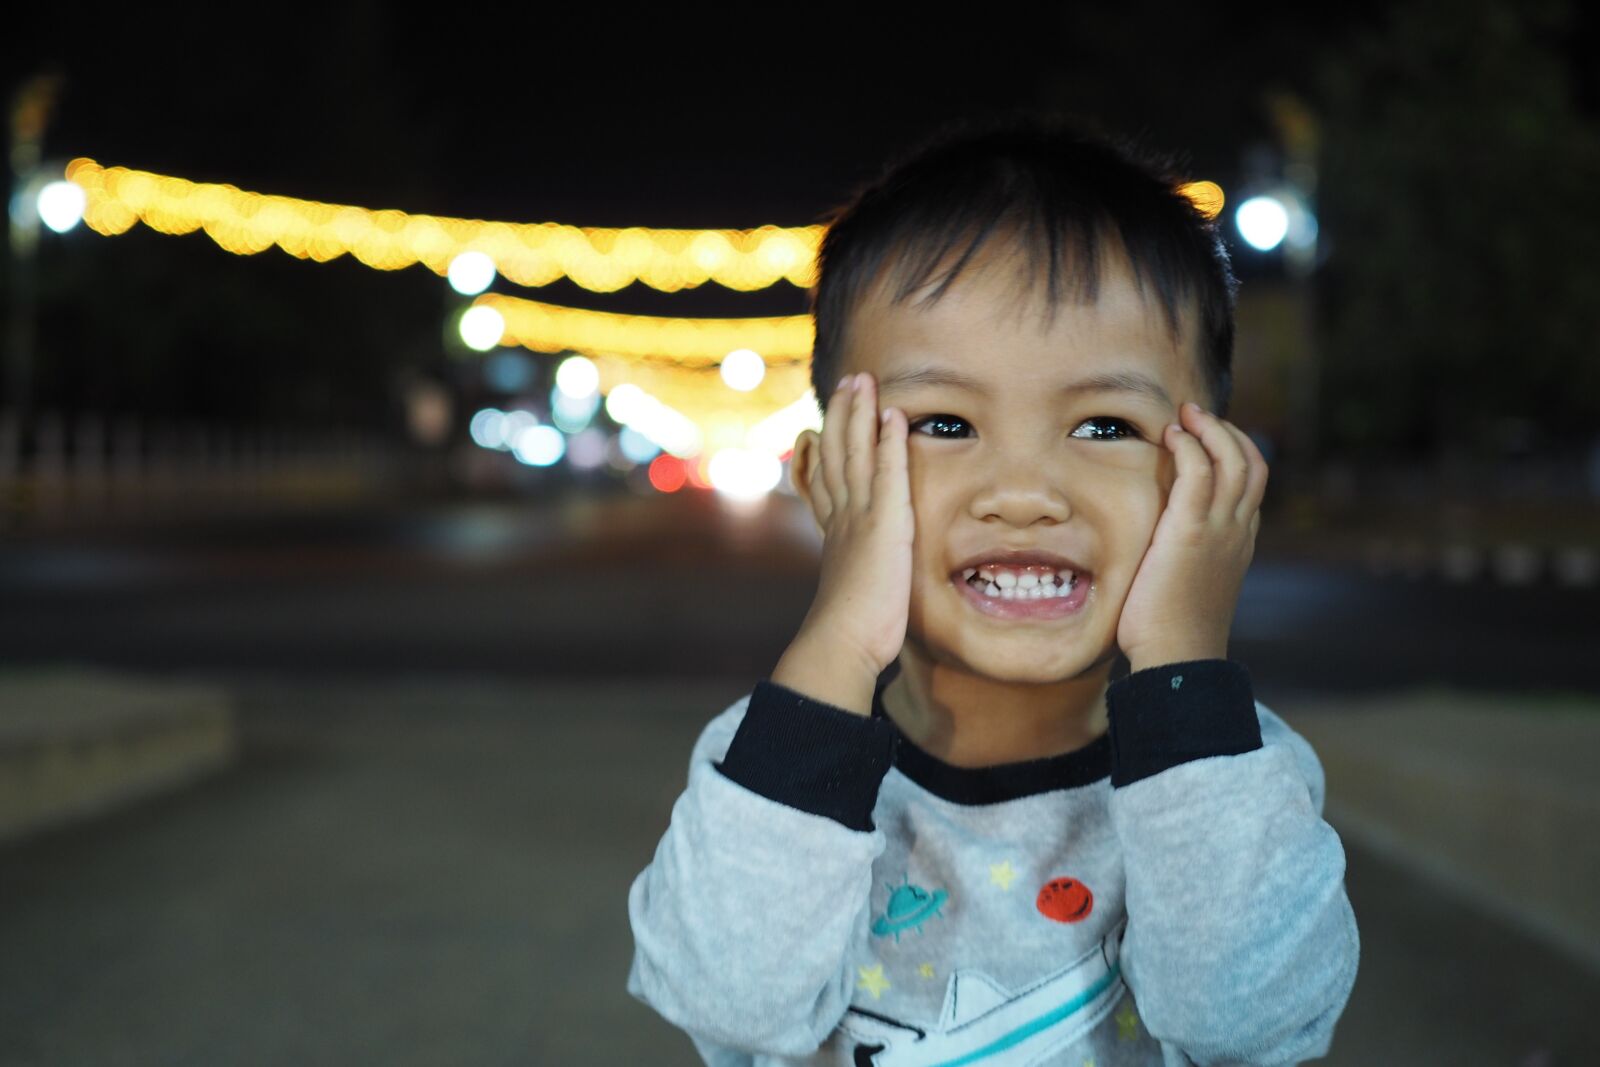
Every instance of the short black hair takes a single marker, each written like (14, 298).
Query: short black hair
(1058, 191)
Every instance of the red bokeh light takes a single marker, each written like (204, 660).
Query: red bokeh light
(666, 473)
(694, 470)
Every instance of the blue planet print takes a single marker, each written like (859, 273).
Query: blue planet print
(909, 907)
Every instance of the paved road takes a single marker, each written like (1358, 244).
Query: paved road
(425, 870)
(649, 587)
(464, 729)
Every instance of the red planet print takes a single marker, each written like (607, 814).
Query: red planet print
(1066, 900)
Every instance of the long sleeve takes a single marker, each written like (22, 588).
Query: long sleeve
(1241, 946)
(743, 921)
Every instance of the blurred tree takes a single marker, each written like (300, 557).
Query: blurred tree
(1456, 196)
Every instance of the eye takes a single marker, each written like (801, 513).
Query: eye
(1121, 429)
(952, 425)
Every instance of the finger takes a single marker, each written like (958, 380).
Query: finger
(833, 441)
(892, 485)
(1192, 492)
(1247, 455)
(1227, 458)
(862, 449)
(1256, 489)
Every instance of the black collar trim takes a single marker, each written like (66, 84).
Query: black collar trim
(997, 784)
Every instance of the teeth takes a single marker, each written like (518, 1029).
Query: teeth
(1041, 587)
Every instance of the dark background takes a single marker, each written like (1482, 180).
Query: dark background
(1454, 147)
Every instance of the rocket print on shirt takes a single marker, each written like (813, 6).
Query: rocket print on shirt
(982, 1022)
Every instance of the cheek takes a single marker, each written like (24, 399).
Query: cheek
(1127, 508)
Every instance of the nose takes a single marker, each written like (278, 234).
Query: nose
(1020, 493)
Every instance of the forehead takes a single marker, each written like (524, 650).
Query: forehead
(996, 326)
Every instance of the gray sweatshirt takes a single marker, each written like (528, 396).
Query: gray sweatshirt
(828, 893)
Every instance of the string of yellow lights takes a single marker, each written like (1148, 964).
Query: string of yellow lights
(529, 254)
(673, 359)
(693, 342)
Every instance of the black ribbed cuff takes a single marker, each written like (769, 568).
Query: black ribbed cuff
(810, 755)
(1178, 712)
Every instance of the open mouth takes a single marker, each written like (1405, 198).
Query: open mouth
(1024, 592)
(1021, 583)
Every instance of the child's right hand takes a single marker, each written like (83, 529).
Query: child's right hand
(861, 495)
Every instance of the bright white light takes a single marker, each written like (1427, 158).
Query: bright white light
(744, 475)
(61, 205)
(671, 429)
(743, 369)
(587, 450)
(471, 273)
(482, 327)
(636, 446)
(1263, 221)
(488, 428)
(577, 377)
(776, 432)
(623, 402)
(539, 446)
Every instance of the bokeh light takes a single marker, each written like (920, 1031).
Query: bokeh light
(482, 327)
(586, 450)
(577, 377)
(667, 473)
(488, 428)
(1263, 222)
(471, 273)
(539, 446)
(636, 446)
(572, 414)
(744, 474)
(743, 369)
(508, 372)
(60, 205)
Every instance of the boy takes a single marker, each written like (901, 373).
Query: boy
(939, 833)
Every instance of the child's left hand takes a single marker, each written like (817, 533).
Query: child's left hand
(1180, 606)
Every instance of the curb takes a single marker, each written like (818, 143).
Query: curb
(1496, 805)
(75, 744)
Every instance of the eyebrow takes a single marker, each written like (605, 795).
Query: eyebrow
(1109, 382)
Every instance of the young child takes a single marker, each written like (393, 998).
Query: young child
(940, 833)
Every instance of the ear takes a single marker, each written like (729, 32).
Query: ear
(805, 465)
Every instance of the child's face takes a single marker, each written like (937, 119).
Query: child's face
(1016, 462)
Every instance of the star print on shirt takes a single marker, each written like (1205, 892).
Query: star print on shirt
(926, 970)
(872, 980)
(1127, 1023)
(1002, 874)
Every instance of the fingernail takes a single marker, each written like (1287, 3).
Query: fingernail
(883, 416)
(1175, 426)
(846, 378)
(1196, 408)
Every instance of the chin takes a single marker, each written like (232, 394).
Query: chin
(1024, 665)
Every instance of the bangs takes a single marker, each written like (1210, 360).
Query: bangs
(1060, 207)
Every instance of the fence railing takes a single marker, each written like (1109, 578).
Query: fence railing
(85, 467)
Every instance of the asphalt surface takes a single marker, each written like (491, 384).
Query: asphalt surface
(424, 870)
(662, 586)
(463, 729)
